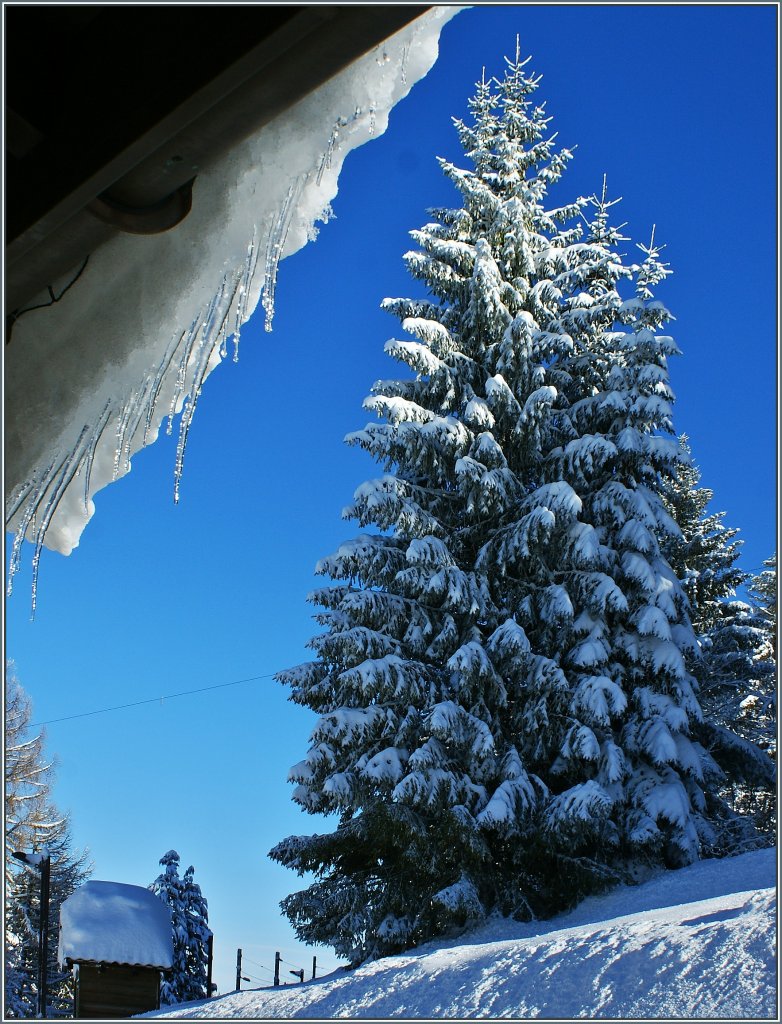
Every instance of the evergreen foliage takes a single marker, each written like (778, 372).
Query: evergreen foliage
(190, 931)
(33, 823)
(504, 688)
(736, 670)
(739, 683)
(704, 556)
(763, 591)
(199, 933)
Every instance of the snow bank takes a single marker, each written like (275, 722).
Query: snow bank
(695, 943)
(91, 379)
(114, 923)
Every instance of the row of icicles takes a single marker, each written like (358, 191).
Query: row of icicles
(37, 500)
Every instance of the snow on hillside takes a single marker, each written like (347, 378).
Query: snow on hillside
(695, 943)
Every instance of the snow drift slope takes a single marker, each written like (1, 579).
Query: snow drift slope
(696, 943)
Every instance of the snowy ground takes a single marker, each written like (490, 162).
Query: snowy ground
(696, 943)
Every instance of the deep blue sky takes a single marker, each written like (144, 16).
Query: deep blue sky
(677, 105)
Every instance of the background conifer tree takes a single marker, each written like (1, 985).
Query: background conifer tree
(704, 556)
(736, 669)
(198, 933)
(503, 681)
(739, 696)
(32, 823)
(763, 591)
(170, 888)
(189, 917)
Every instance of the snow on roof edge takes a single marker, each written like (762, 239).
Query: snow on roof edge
(115, 923)
(157, 364)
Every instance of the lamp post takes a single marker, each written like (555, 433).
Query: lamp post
(41, 862)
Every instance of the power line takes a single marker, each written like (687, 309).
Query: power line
(152, 700)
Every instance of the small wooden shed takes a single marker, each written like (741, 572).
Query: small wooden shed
(117, 939)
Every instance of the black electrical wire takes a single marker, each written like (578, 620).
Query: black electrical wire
(152, 700)
(14, 316)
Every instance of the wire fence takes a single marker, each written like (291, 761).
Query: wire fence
(243, 974)
(256, 964)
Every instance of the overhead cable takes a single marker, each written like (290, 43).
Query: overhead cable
(152, 700)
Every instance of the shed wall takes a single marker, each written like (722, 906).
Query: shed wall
(116, 990)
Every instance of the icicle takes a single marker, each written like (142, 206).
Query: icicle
(186, 344)
(341, 122)
(403, 71)
(128, 410)
(160, 373)
(60, 484)
(221, 338)
(38, 490)
(122, 423)
(326, 160)
(187, 417)
(213, 326)
(16, 499)
(250, 266)
(275, 246)
(89, 455)
(141, 406)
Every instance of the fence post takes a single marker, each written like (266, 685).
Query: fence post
(238, 970)
(209, 958)
(314, 966)
(277, 959)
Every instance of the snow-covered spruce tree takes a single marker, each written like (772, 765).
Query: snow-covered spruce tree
(170, 888)
(504, 698)
(198, 933)
(189, 931)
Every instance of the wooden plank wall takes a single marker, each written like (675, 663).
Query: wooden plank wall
(116, 990)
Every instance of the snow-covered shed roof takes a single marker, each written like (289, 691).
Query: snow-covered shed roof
(114, 923)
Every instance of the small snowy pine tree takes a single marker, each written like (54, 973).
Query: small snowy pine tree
(169, 888)
(198, 933)
(505, 702)
(189, 924)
